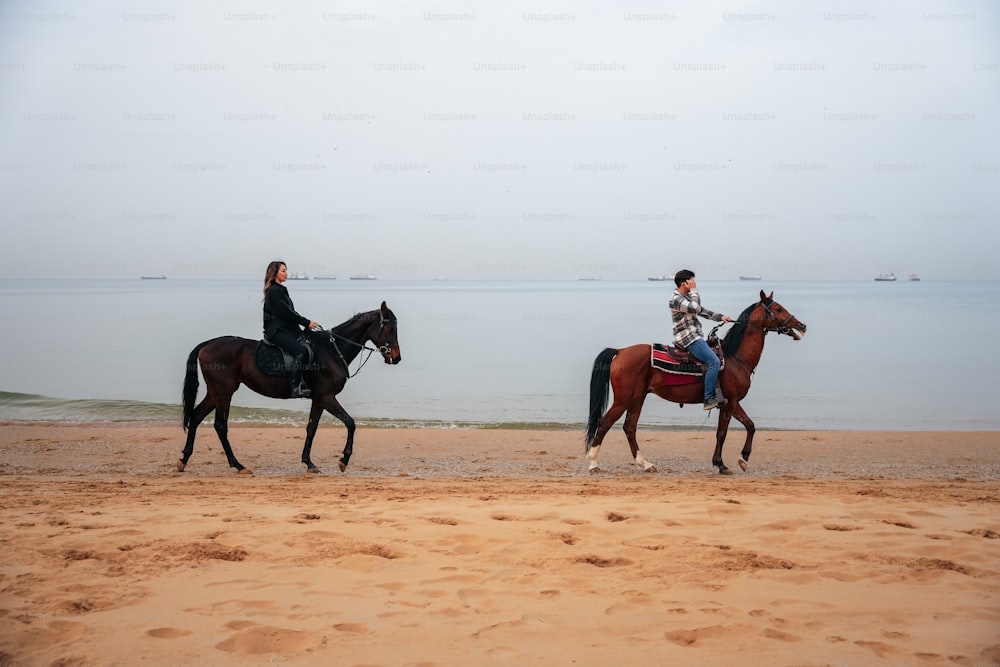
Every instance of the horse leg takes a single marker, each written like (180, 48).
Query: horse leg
(725, 414)
(748, 424)
(630, 427)
(331, 405)
(607, 421)
(315, 412)
(204, 408)
(222, 429)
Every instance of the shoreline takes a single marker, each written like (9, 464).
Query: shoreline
(24, 408)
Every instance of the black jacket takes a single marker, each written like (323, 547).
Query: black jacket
(279, 312)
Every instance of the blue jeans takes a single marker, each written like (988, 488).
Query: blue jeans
(704, 354)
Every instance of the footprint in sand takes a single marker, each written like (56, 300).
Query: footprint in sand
(352, 627)
(771, 633)
(633, 601)
(597, 561)
(697, 636)
(443, 521)
(983, 532)
(167, 633)
(880, 649)
(267, 640)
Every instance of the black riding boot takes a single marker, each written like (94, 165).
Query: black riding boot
(299, 387)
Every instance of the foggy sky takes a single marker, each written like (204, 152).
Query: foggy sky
(500, 140)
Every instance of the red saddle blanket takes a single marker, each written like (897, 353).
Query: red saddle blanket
(674, 371)
(664, 361)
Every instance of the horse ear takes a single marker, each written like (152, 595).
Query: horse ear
(763, 297)
(770, 296)
(384, 309)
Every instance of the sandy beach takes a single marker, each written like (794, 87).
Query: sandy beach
(477, 547)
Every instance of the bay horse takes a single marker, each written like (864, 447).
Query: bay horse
(228, 361)
(632, 377)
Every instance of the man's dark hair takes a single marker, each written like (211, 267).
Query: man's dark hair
(683, 276)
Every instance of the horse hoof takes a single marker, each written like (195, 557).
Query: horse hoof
(342, 466)
(180, 466)
(651, 469)
(743, 464)
(725, 471)
(594, 470)
(313, 469)
(244, 471)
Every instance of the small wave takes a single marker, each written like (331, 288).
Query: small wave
(31, 407)
(16, 407)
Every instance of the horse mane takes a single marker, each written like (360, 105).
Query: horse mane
(731, 341)
(324, 339)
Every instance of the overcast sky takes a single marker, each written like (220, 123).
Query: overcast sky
(820, 140)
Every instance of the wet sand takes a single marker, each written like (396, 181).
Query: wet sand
(468, 547)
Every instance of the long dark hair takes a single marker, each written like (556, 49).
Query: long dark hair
(272, 272)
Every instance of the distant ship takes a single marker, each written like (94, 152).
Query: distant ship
(749, 277)
(366, 276)
(327, 277)
(659, 278)
(297, 276)
(590, 278)
(914, 278)
(886, 277)
(159, 277)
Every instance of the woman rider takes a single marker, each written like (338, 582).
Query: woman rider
(281, 323)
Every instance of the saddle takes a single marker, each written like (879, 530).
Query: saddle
(678, 361)
(274, 361)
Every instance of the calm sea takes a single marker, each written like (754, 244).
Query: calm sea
(881, 356)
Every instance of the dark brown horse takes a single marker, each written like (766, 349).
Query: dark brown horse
(632, 377)
(228, 361)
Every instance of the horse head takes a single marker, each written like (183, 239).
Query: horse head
(776, 318)
(383, 335)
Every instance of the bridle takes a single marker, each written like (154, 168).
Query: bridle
(782, 328)
(383, 349)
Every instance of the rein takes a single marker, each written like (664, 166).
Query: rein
(382, 349)
(782, 328)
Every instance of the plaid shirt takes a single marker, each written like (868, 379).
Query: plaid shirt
(684, 311)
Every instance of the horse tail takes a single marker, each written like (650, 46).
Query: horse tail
(191, 383)
(599, 379)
